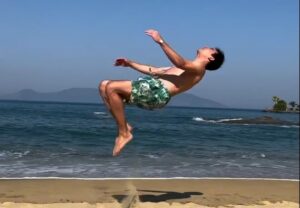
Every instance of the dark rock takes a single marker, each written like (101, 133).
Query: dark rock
(262, 120)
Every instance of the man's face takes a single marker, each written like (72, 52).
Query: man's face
(206, 52)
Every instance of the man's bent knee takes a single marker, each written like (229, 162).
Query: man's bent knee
(102, 86)
(121, 88)
(114, 87)
(109, 88)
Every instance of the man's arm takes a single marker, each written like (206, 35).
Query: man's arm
(146, 69)
(173, 56)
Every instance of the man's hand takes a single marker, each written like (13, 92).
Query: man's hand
(154, 35)
(122, 62)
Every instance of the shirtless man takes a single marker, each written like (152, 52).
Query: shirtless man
(154, 91)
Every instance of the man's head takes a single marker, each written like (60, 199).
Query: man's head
(214, 57)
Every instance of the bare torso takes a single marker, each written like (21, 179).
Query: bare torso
(177, 80)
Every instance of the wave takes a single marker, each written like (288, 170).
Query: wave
(151, 156)
(216, 121)
(253, 156)
(99, 113)
(251, 121)
(147, 178)
(292, 126)
(6, 154)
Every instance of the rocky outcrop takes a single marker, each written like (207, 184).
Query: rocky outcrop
(262, 120)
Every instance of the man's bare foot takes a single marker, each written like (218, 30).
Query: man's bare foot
(120, 142)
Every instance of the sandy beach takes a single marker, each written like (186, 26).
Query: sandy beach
(146, 193)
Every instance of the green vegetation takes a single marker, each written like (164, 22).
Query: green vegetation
(275, 99)
(281, 105)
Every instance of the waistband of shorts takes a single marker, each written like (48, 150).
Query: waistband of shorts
(160, 82)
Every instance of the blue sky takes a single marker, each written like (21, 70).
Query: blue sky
(53, 45)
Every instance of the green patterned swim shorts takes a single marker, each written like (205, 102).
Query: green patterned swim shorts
(149, 93)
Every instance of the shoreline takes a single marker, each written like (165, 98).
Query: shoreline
(273, 111)
(145, 178)
(151, 192)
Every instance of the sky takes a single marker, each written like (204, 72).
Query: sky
(52, 45)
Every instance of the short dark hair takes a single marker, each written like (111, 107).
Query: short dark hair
(217, 63)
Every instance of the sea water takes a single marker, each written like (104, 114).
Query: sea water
(40, 139)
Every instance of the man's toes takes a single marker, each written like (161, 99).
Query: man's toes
(115, 152)
(120, 144)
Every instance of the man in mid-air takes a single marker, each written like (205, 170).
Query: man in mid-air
(155, 91)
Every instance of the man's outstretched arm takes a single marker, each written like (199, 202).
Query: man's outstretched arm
(173, 56)
(146, 69)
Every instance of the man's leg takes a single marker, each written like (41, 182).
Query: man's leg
(102, 91)
(116, 91)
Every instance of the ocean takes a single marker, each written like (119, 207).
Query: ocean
(40, 139)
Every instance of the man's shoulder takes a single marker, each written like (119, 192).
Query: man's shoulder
(193, 67)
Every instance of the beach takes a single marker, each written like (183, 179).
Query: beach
(58, 155)
(144, 193)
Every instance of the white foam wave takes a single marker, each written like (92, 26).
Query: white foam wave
(54, 169)
(292, 126)
(99, 113)
(145, 178)
(254, 156)
(152, 156)
(278, 166)
(229, 119)
(6, 154)
(226, 163)
(198, 119)
(216, 121)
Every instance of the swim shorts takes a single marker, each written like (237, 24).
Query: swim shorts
(149, 93)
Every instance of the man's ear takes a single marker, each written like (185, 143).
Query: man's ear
(211, 58)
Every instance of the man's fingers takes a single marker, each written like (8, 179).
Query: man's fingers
(149, 32)
(121, 62)
(118, 62)
(120, 59)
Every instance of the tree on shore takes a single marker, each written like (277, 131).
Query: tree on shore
(293, 105)
(275, 99)
(281, 105)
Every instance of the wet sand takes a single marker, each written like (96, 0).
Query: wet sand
(144, 193)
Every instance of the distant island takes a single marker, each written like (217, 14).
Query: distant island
(281, 105)
(91, 95)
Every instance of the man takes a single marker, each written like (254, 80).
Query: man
(156, 90)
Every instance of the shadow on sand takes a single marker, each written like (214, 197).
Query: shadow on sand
(163, 196)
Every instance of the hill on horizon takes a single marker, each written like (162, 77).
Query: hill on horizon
(91, 95)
